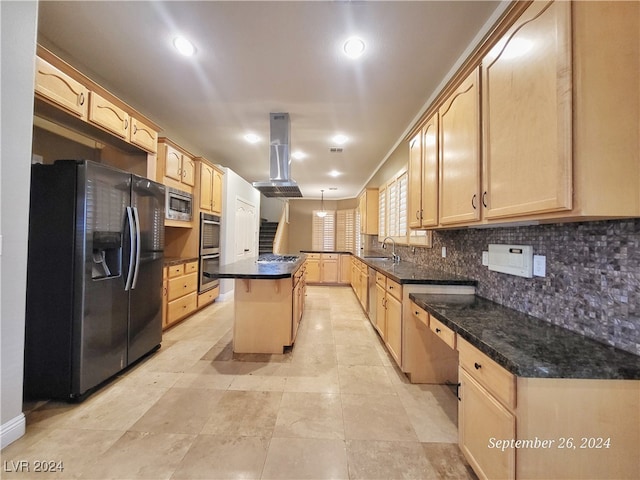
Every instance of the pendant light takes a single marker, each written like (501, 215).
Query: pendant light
(322, 212)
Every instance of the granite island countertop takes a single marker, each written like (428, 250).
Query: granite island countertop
(527, 346)
(251, 269)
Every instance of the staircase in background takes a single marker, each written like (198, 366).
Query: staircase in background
(267, 234)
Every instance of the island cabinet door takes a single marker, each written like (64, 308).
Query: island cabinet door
(481, 419)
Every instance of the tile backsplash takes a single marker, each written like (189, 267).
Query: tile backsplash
(592, 282)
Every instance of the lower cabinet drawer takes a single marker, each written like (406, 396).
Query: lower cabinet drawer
(420, 314)
(208, 296)
(182, 285)
(447, 335)
(182, 307)
(488, 373)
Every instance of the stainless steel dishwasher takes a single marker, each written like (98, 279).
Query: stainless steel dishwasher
(371, 307)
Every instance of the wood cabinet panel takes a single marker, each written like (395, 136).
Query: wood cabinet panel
(182, 285)
(500, 382)
(109, 116)
(447, 335)
(430, 160)
(394, 327)
(415, 181)
(143, 136)
(180, 308)
(206, 186)
(216, 194)
(480, 417)
(423, 176)
(460, 154)
(58, 87)
(527, 108)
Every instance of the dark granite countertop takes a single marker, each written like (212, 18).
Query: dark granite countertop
(525, 345)
(170, 261)
(407, 272)
(251, 269)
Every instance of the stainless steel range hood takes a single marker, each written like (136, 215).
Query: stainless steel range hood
(279, 183)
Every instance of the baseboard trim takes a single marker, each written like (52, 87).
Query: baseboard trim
(12, 430)
(223, 297)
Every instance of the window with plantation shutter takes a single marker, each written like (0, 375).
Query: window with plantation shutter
(323, 231)
(392, 202)
(382, 212)
(346, 230)
(402, 197)
(393, 208)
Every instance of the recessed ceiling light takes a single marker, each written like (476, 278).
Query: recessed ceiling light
(252, 138)
(298, 155)
(353, 47)
(340, 139)
(335, 173)
(184, 46)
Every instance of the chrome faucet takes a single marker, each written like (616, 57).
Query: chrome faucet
(396, 258)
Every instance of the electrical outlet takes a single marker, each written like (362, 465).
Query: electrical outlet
(540, 265)
(485, 259)
(444, 252)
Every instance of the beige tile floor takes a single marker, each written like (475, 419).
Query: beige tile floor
(334, 407)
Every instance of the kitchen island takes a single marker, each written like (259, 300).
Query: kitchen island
(268, 302)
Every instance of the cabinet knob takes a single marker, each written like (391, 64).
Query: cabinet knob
(477, 365)
(438, 331)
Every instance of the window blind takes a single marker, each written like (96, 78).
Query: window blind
(392, 201)
(323, 231)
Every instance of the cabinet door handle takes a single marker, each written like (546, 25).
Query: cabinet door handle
(477, 365)
(484, 199)
(126, 123)
(135, 128)
(438, 330)
(417, 214)
(473, 201)
(81, 98)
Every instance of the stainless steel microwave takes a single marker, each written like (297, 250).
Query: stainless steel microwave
(179, 205)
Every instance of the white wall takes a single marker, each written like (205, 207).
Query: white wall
(234, 187)
(18, 41)
(271, 208)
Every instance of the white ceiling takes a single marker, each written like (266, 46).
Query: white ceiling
(259, 57)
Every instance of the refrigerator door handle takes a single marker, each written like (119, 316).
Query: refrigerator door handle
(137, 268)
(132, 235)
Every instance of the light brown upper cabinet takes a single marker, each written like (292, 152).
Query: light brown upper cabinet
(459, 134)
(210, 188)
(144, 136)
(62, 90)
(179, 167)
(423, 176)
(109, 116)
(526, 95)
(368, 208)
(76, 96)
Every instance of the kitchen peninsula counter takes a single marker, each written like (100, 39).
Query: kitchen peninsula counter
(527, 346)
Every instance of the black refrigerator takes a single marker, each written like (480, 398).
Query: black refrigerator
(94, 276)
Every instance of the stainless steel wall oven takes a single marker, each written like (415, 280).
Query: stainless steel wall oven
(209, 251)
